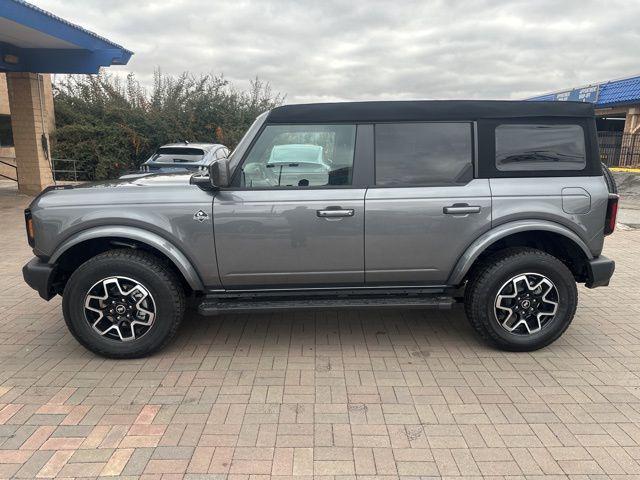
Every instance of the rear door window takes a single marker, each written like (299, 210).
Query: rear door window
(534, 147)
(423, 154)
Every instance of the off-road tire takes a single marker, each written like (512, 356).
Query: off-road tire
(608, 177)
(143, 267)
(488, 277)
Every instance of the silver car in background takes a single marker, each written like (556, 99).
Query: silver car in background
(184, 156)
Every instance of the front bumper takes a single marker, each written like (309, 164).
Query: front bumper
(39, 275)
(599, 271)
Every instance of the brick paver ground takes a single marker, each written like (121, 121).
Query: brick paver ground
(400, 394)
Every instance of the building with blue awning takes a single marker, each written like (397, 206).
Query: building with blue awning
(614, 99)
(33, 44)
(617, 104)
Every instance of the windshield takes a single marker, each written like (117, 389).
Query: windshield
(241, 148)
(296, 153)
(177, 155)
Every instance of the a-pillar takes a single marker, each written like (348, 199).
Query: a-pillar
(30, 122)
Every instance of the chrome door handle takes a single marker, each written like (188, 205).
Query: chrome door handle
(335, 212)
(461, 209)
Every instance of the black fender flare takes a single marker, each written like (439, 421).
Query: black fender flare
(474, 250)
(173, 253)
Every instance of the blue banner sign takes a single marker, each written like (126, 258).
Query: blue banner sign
(585, 94)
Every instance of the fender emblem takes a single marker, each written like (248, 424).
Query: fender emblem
(200, 216)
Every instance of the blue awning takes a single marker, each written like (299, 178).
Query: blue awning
(613, 93)
(34, 40)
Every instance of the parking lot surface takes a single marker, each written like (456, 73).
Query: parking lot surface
(393, 394)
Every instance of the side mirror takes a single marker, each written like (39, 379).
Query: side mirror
(219, 174)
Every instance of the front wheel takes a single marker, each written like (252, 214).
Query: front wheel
(521, 299)
(123, 304)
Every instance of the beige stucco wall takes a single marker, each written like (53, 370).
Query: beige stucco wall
(4, 95)
(632, 120)
(30, 130)
(48, 102)
(7, 154)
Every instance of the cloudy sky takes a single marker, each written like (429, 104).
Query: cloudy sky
(357, 50)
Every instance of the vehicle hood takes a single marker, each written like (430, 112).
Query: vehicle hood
(146, 188)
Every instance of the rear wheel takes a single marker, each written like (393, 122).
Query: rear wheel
(123, 304)
(521, 299)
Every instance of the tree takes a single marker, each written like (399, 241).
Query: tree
(111, 125)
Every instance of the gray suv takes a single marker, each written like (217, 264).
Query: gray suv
(348, 205)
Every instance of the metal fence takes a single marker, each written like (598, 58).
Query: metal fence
(66, 169)
(63, 170)
(9, 167)
(619, 149)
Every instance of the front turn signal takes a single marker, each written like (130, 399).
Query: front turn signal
(28, 219)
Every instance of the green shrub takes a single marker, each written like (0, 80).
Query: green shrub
(111, 125)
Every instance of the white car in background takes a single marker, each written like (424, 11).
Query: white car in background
(299, 165)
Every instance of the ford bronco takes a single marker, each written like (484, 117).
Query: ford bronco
(348, 205)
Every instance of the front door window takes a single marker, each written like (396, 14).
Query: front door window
(299, 156)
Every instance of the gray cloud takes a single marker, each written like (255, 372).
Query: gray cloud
(371, 49)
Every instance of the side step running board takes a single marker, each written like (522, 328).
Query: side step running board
(217, 306)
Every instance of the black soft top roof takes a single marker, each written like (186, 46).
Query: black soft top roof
(425, 110)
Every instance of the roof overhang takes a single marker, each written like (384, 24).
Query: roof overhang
(33, 40)
(424, 111)
(613, 93)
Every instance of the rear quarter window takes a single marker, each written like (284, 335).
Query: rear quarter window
(539, 147)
